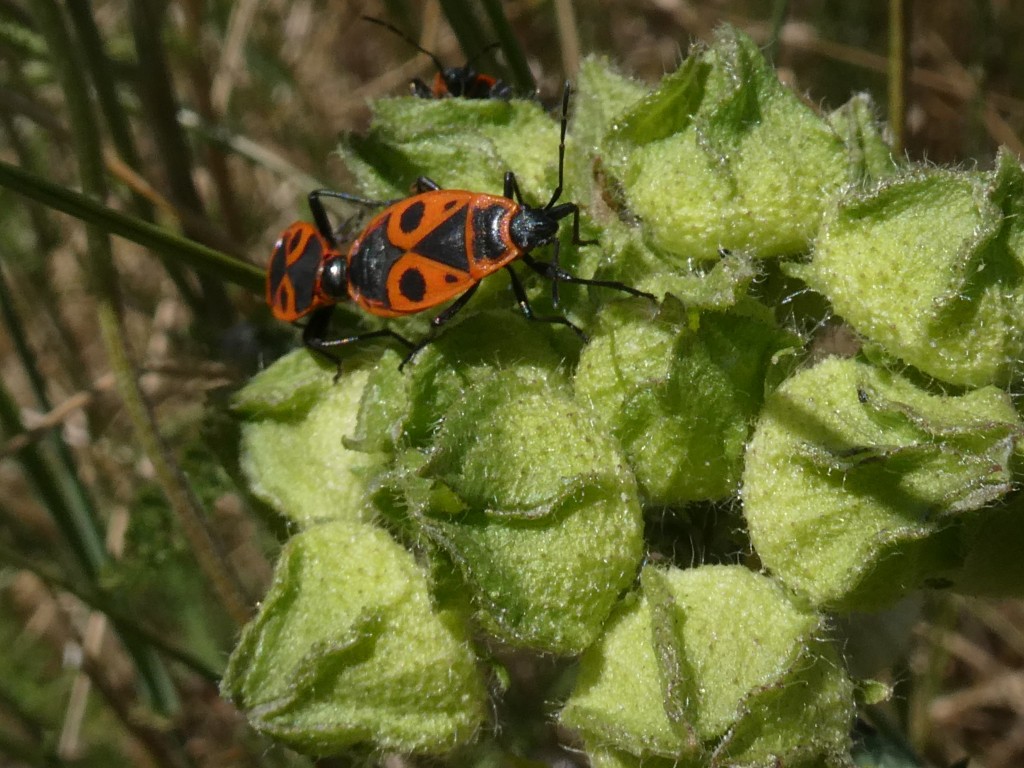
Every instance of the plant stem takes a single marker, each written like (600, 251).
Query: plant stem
(899, 26)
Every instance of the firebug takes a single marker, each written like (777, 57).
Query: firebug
(420, 252)
(460, 82)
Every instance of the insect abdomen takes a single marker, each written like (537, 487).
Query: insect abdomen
(292, 272)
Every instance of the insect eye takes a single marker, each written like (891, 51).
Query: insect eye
(332, 281)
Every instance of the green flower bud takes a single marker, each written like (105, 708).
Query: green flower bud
(380, 423)
(927, 265)
(715, 660)
(867, 153)
(546, 529)
(292, 452)
(459, 143)
(722, 155)
(717, 285)
(348, 647)
(604, 93)
(469, 352)
(604, 757)
(680, 395)
(856, 480)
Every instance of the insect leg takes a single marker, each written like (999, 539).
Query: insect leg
(512, 188)
(500, 90)
(524, 305)
(552, 271)
(452, 310)
(424, 184)
(420, 89)
(323, 223)
(316, 194)
(555, 248)
(565, 209)
(313, 337)
(455, 307)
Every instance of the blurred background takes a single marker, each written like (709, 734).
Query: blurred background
(130, 552)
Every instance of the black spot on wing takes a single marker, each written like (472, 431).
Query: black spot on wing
(411, 217)
(412, 285)
(446, 243)
(370, 264)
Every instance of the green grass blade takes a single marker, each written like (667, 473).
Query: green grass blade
(780, 10)
(79, 503)
(106, 93)
(166, 245)
(80, 532)
(522, 78)
(107, 603)
(21, 40)
(249, 150)
(157, 94)
(25, 753)
(471, 35)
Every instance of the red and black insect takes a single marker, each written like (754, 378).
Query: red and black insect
(420, 252)
(460, 82)
(306, 277)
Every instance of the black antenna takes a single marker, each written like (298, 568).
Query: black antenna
(482, 51)
(409, 40)
(561, 146)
